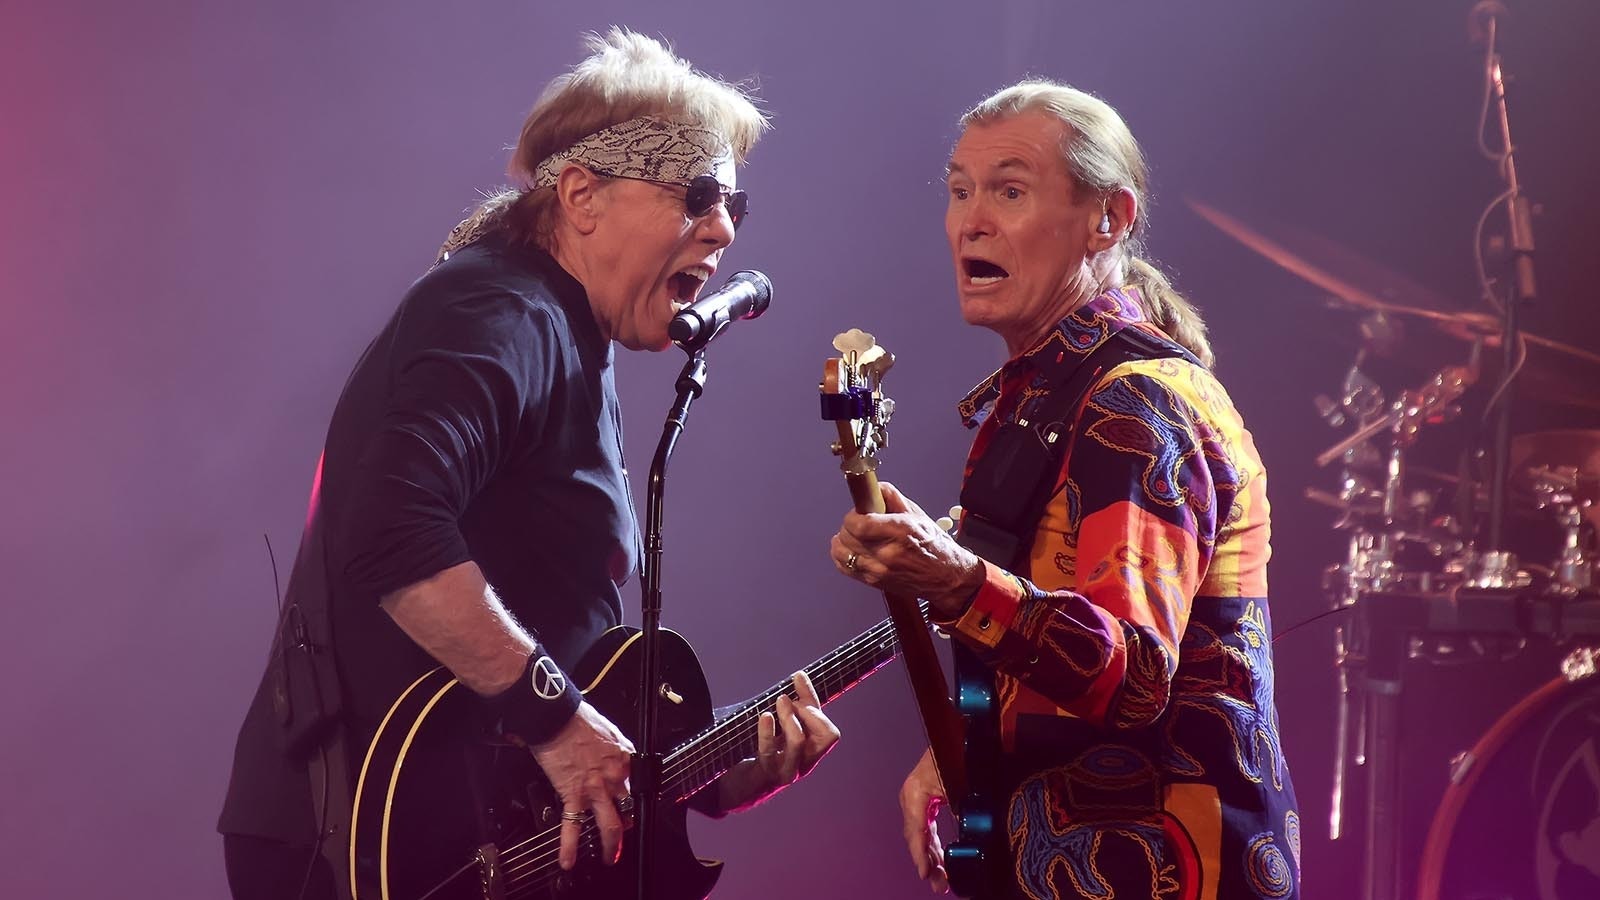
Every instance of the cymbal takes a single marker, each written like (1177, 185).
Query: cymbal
(1356, 283)
(1320, 261)
(1577, 448)
(1560, 448)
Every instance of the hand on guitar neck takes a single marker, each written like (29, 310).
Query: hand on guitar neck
(902, 550)
(887, 541)
(790, 741)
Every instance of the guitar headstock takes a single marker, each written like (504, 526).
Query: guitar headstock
(853, 399)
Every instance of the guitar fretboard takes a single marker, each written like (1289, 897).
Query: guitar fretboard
(701, 759)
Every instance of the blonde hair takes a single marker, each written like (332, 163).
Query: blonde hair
(625, 75)
(1102, 156)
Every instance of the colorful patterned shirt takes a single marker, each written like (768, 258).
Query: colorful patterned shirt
(1133, 663)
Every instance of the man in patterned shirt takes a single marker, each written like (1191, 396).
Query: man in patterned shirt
(1128, 638)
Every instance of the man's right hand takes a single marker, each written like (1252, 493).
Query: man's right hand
(921, 796)
(588, 763)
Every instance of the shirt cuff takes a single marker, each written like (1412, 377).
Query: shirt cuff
(993, 608)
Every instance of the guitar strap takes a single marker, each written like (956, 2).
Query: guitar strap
(1005, 496)
(1002, 502)
(308, 701)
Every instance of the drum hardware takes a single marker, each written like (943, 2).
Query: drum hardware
(1569, 462)
(1383, 522)
(1468, 597)
(1393, 623)
(1387, 525)
(1495, 569)
(1378, 518)
(1369, 557)
(1557, 489)
(1522, 805)
(1581, 663)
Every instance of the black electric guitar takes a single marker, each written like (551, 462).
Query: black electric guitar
(959, 734)
(445, 811)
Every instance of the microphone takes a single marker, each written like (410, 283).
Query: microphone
(744, 296)
(1481, 19)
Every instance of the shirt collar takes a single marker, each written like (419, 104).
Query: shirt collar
(1061, 351)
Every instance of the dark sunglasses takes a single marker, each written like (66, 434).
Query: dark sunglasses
(701, 195)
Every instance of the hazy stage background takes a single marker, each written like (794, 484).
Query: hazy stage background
(209, 208)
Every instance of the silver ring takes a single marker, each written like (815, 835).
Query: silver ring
(570, 816)
(850, 562)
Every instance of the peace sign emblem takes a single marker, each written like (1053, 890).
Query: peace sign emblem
(547, 680)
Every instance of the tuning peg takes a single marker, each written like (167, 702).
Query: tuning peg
(854, 341)
(949, 522)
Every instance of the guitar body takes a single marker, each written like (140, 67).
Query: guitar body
(445, 810)
(975, 862)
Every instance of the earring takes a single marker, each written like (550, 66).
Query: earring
(1105, 223)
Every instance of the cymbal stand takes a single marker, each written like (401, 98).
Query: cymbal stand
(1368, 563)
(1484, 23)
(1373, 522)
(1360, 645)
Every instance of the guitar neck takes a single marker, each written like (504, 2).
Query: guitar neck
(700, 760)
(940, 721)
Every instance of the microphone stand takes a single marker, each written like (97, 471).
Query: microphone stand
(1496, 562)
(647, 761)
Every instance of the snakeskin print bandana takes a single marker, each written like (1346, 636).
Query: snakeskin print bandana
(648, 148)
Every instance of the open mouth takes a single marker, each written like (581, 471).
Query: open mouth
(980, 272)
(685, 284)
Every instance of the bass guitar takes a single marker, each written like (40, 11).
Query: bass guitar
(959, 733)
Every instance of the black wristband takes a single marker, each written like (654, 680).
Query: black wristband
(538, 704)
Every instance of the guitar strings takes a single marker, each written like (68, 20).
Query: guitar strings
(872, 647)
(839, 665)
(714, 751)
(540, 847)
(526, 864)
(515, 865)
(876, 643)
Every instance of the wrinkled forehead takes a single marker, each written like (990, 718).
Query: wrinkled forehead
(649, 148)
(1025, 142)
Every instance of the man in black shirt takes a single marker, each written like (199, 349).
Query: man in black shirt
(471, 508)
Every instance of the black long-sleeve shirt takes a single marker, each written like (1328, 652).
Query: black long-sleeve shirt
(482, 424)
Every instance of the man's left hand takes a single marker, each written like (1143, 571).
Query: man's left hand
(790, 741)
(904, 551)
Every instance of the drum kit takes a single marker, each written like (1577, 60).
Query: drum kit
(1445, 565)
